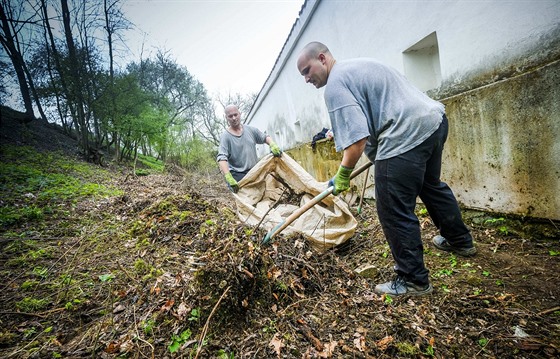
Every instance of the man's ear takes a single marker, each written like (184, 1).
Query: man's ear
(322, 58)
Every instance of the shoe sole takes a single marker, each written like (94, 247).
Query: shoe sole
(468, 252)
(427, 291)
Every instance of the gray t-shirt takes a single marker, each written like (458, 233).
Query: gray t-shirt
(368, 99)
(240, 151)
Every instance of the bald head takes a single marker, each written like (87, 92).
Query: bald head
(230, 107)
(313, 49)
(315, 62)
(233, 116)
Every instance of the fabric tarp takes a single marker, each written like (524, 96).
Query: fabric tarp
(326, 225)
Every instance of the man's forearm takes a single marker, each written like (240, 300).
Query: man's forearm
(224, 167)
(353, 153)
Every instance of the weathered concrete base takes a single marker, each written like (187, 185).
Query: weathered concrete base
(503, 153)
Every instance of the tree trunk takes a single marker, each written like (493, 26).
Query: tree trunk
(17, 61)
(76, 94)
(56, 57)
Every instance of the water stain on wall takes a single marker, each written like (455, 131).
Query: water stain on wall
(503, 153)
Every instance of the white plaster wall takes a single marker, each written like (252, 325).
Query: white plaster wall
(472, 35)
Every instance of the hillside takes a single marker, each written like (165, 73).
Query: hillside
(99, 263)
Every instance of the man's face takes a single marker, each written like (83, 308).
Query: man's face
(233, 117)
(314, 70)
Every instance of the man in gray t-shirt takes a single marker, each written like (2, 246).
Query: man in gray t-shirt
(374, 109)
(237, 153)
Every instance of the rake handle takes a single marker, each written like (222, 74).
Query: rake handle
(297, 213)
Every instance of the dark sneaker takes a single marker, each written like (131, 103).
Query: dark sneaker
(400, 286)
(443, 244)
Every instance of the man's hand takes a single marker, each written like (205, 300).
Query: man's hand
(341, 181)
(276, 151)
(232, 182)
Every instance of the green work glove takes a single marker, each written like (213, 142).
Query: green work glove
(231, 182)
(276, 151)
(341, 181)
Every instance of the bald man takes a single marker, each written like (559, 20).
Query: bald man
(374, 109)
(237, 153)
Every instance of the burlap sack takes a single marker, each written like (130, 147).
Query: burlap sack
(326, 225)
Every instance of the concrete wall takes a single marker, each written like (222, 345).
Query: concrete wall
(497, 74)
(503, 152)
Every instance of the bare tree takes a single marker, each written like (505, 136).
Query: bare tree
(10, 42)
(75, 73)
(243, 102)
(56, 67)
(114, 22)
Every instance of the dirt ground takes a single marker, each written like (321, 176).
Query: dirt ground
(189, 280)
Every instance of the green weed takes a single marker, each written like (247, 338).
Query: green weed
(107, 277)
(178, 340)
(429, 351)
(422, 212)
(270, 327)
(195, 315)
(406, 348)
(72, 304)
(222, 354)
(29, 284)
(29, 305)
(41, 272)
(148, 326)
(443, 273)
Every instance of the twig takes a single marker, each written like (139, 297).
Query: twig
(13, 239)
(23, 313)
(549, 311)
(308, 333)
(205, 328)
(280, 180)
(249, 216)
(363, 192)
(126, 273)
(293, 305)
(138, 334)
(321, 220)
(270, 208)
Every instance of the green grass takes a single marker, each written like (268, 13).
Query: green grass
(34, 184)
(151, 163)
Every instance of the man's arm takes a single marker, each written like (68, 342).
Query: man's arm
(276, 151)
(224, 167)
(351, 155)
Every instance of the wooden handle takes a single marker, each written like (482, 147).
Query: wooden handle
(297, 213)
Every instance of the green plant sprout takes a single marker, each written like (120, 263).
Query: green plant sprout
(106, 277)
(195, 315)
(178, 340)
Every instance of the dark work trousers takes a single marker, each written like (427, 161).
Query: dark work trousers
(398, 183)
(238, 175)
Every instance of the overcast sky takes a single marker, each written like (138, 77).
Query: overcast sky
(228, 45)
